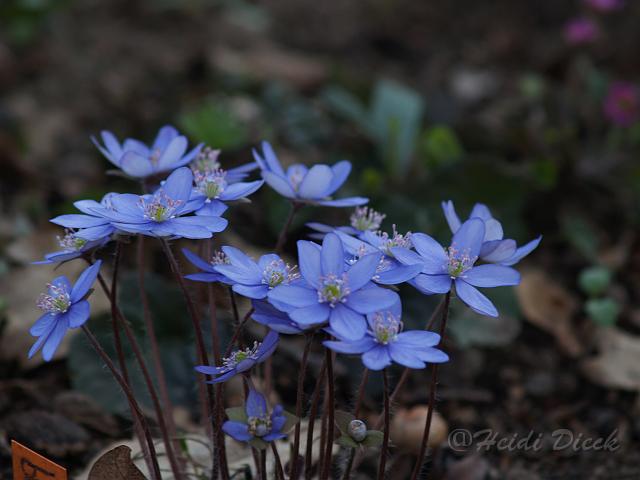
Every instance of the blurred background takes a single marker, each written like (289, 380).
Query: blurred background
(530, 107)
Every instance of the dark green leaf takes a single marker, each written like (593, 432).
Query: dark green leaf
(343, 419)
(346, 441)
(374, 438)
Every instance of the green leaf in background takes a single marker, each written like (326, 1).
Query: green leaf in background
(472, 329)
(594, 280)
(347, 105)
(603, 311)
(545, 172)
(215, 125)
(440, 146)
(581, 235)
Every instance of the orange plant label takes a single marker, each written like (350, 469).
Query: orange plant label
(29, 465)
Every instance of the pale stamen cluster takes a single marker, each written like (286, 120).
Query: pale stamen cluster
(278, 272)
(394, 240)
(232, 361)
(206, 161)
(365, 218)
(386, 327)
(56, 301)
(219, 258)
(211, 183)
(335, 289)
(70, 242)
(459, 262)
(259, 426)
(160, 208)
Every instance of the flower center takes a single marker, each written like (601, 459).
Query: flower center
(365, 218)
(160, 207)
(206, 161)
(154, 157)
(334, 289)
(232, 361)
(219, 258)
(70, 242)
(56, 301)
(278, 272)
(394, 240)
(459, 262)
(211, 183)
(296, 176)
(386, 327)
(259, 426)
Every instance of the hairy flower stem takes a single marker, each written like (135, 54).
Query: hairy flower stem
(236, 318)
(326, 469)
(201, 350)
(155, 468)
(176, 466)
(294, 464)
(315, 402)
(361, 389)
(278, 462)
(282, 238)
(263, 464)
(237, 332)
(167, 405)
(387, 427)
(432, 393)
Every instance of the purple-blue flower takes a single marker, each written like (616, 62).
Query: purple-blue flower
(306, 185)
(266, 314)
(385, 342)
(255, 422)
(136, 159)
(242, 360)
(255, 279)
(442, 268)
(495, 248)
(209, 274)
(65, 307)
(333, 290)
(73, 246)
(363, 219)
(90, 225)
(163, 213)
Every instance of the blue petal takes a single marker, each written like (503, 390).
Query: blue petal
(75, 220)
(256, 404)
(84, 282)
(474, 299)
(431, 251)
(450, 214)
(77, 314)
(212, 224)
(496, 251)
(404, 356)
(96, 233)
(279, 184)
(136, 165)
(180, 228)
(332, 256)
(43, 324)
(316, 182)
(133, 145)
(432, 355)
(491, 276)
(480, 210)
(418, 339)
(294, 296)
(237, 430)
(240, 259)
(406, 256)
(240, 274)
(316, 314)
(492, 230)
(468, 239)
(172, 154)
(178, 184)
(165, 135)
(341, 171)
(207, 277)
(43, 338)
(363, 270)
(432, 284)
(523, 252)
(197, 261)
(272, 162)
(256, 291)
(240, 190)
(377, 358)
(309, 262)
(127, 204)
(53, 340)
(344, 202)
(398, 274)
(350, 347)
(213, 208)
(372, 299)
(346, 323)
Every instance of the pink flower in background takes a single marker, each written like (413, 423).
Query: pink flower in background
(605, 6)
(622, 104)
(580, 31)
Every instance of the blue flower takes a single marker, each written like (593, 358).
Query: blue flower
(385, 342)
(73, 246)
(266, 314)
(255, 422)
(65, 307)
(363, 219)
(209, 274)
(306, 185)
(242, 360)
(333, 290)
(90, 225)
(442, 268)
(255, 279)
(136, 159)
(389, 271)
(162, 214)
(216, 186)
(495, 249)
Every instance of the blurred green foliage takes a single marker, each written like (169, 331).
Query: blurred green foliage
(23, 19)
(214, 124)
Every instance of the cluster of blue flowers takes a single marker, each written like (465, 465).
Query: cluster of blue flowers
(344, 286)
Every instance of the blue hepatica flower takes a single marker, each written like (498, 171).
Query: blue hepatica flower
(255, 422)
(216, 186)
(255, 279)
(209, 274)
(65, 307)
(385, 342)
(333, 290)
(242, 360)
(73, 246)
(162, 214)
(442, 268)
(389, 271)
(90, 225)
(306, 185)
(266, 314)
(495, 248)
(363, 219)
(136, 159)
